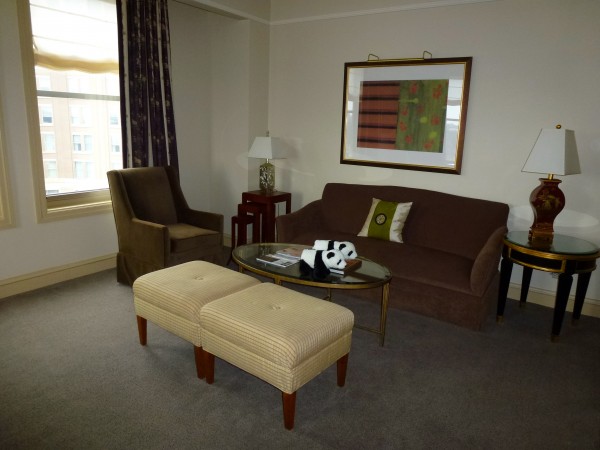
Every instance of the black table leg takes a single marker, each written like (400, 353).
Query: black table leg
(505, 272)
(565, 280)
(583, 280)
(527, 271)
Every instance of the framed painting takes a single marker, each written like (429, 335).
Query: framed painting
(406, 114)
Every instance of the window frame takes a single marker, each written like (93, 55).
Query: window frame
(53, 207)
(6, 215)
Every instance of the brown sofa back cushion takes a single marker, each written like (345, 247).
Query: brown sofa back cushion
(150, 195)
(446, 222)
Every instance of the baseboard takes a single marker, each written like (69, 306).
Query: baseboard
(546, 298)
(48, 277)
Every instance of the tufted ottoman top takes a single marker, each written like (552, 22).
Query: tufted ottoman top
(276, 324)
(184, 289)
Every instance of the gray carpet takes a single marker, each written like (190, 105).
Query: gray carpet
(74, 376)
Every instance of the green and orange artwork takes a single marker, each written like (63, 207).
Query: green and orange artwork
(403, 115)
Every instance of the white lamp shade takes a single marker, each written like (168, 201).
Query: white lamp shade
(554, 152)
(268, 148)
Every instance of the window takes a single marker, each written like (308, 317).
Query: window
(50, 168)
(77, 143)
(48, 142)
(43, 82)
(115, 143)
(70, 58)
(114, 116)
(81, 115)
(78, 83)
(84, 170)
(83, 143)
(46, 115)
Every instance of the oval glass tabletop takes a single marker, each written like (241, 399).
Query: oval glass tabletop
(369, 274)
(561, 244)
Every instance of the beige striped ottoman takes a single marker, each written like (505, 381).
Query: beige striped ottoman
(173, 297)
(281, 336)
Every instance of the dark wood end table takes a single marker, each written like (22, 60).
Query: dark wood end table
(566, 256)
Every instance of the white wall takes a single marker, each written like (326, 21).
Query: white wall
(535, 64)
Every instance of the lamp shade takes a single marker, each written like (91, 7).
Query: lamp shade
(554, 152)
(268, 148)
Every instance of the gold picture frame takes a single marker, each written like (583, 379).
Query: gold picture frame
(406, 114)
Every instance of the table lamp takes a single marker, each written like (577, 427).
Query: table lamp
(268, 148)
(554, 153)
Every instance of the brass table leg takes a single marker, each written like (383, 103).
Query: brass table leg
(385, 296)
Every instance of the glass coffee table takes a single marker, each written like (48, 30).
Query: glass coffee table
(369, 275)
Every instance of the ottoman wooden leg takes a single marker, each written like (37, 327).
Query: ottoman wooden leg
(342, 367)
(289, 409)
(199, 361)
(209, 366)
(142, 329)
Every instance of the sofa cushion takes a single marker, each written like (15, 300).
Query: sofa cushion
(385, 220)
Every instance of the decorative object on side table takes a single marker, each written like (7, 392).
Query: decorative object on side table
(268, 148)
(554, 153)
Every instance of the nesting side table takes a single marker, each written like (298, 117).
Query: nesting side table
(268, 200)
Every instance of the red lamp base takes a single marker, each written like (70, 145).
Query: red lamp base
(547, 201)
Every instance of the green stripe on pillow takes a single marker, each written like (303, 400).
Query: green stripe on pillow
(381, 220)
(385, 220)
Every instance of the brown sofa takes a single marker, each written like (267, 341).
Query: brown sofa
(447, 267)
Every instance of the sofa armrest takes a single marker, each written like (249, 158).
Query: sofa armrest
(486, 263)
(307, 218)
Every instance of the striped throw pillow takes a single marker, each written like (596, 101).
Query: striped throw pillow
(386, 220)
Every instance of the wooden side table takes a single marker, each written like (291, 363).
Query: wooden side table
(566, 256)
(268, 200)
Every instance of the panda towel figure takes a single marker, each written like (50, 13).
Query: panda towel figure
(316, 263)
(347, 248)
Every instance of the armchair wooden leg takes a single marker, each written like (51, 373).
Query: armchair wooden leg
(142, 329)
(199, 361)
(342, 367)
(289, 409)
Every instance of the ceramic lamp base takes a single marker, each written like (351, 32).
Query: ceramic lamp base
(267, 177)
(547, 201)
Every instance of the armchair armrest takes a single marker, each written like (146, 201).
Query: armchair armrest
(486, 263)
(148, 241)
(202, 219)
(307, 218)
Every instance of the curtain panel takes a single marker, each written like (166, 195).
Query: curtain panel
(148, 123)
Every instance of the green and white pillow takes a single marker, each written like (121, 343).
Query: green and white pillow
(386, 220)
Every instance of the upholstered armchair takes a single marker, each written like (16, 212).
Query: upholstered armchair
(155, 226)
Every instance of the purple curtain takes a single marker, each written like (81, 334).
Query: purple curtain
(148, 123)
